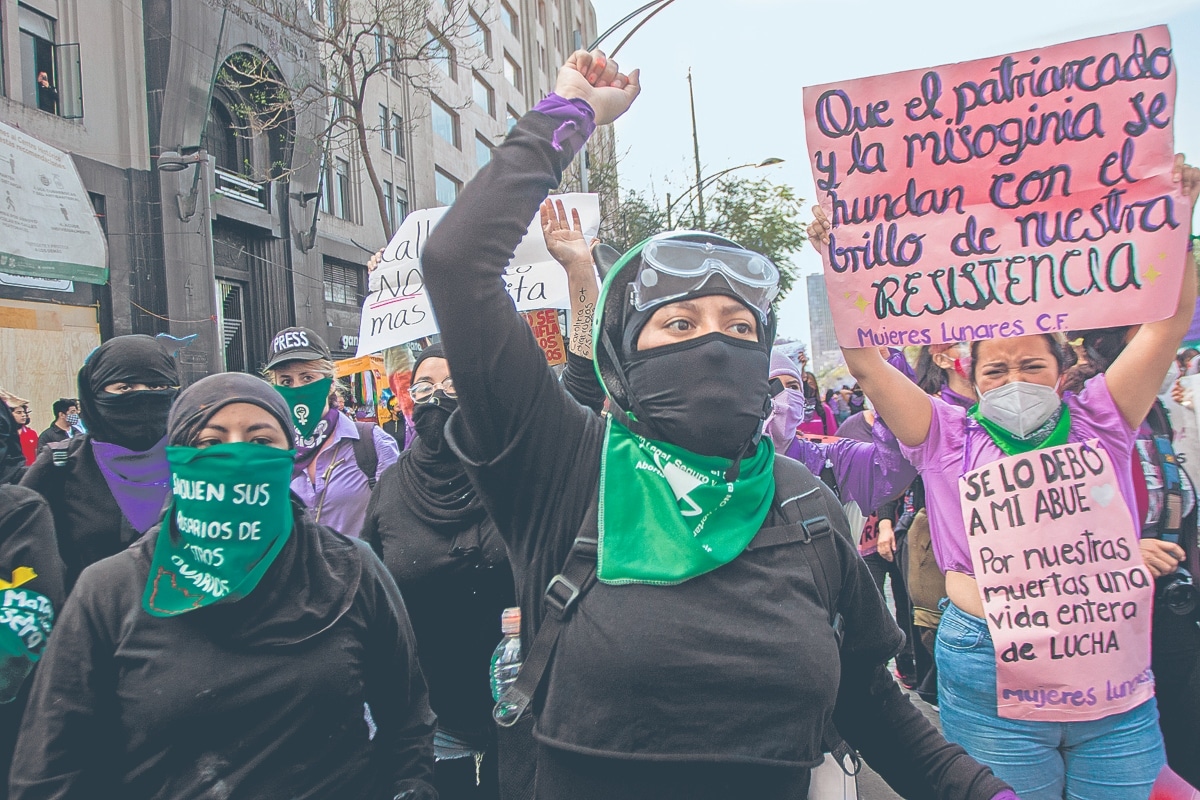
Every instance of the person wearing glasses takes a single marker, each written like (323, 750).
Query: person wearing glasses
(338, 460)
(428, 525)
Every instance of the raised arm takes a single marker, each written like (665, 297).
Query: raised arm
(566, 242)
(870, 473)
(499, 372)
(894, 397)
(1134, 378)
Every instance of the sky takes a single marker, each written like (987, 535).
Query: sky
(750, 60)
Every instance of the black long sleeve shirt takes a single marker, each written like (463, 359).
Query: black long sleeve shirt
(125, 704)
(649, 673)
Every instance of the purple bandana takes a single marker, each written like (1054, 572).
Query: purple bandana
(576, 121)
(139, 482)
(307, 449)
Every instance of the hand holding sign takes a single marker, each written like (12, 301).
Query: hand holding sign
(1029, 193)
(397, 310)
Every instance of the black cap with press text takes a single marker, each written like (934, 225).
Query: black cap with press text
(296, 344)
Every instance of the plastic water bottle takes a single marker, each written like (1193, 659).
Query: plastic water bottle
(506, 661)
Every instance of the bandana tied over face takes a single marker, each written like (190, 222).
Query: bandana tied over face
(307, 404)
(668, 515)
(789, 409)
(230, 517)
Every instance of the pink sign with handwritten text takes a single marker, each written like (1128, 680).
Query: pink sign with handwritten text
(1065, 593)
(1007, 196)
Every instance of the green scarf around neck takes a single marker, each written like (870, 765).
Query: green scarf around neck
(1051, 434)
(668, 515)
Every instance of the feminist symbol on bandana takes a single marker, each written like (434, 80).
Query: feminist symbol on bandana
(301, 412)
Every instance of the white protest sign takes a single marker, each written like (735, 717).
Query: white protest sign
(397, 310)
(48, 228)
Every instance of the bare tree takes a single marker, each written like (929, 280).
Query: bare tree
(354, 42)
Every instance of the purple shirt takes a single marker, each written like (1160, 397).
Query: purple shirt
(339, 496)
(869, 473)
(957, 444)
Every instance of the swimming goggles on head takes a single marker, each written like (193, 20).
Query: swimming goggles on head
(672, 269)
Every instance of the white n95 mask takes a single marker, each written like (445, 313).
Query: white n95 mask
(1019, 407)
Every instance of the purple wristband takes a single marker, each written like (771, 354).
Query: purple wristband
(1007, 794)
(576, 121)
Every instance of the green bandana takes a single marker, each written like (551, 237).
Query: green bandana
(668, 515)
(307, 403)
(1051, 434)
(26, 619)
(230, 517)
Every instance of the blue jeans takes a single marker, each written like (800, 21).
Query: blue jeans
(1114, 758)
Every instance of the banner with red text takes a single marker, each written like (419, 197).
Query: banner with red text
(1065, 593)
(1007, 196)
(546, 330)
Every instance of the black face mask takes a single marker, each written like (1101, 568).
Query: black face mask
(708, 395)
(430, 421)
(134, 420)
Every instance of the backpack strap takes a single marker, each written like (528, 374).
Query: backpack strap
(578, 575)
(365, 454)
(801, 500)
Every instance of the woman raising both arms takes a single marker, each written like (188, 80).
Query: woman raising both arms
(1110, 754)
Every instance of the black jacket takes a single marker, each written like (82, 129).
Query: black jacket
(456, 582)
(125, 704)
(534, 456)
(87, 519)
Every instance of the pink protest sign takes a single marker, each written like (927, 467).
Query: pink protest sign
(1013, 195)
(1065, 593)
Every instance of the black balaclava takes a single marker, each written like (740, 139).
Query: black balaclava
(429, 419)
(708, 395)
(436, 487)
(133, 420)
(12, 458)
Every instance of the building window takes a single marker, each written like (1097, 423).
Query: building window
(37, 60)
(445, 123)
(446, 188)
(395, 61)
(541, 12)
(401, 206)
(343, 284)
(511, 119)
(332, 19)
(326, 199)
(483, 152)
(480, 36)
(380, 49)
(221, 139)
(483, 95)
(441, 55)
(387, 204)
(341, 189)
(509, 18)
(512, 71)
(398, 135)
(385, 135)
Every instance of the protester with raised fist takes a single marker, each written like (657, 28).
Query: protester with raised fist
(689, 645)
